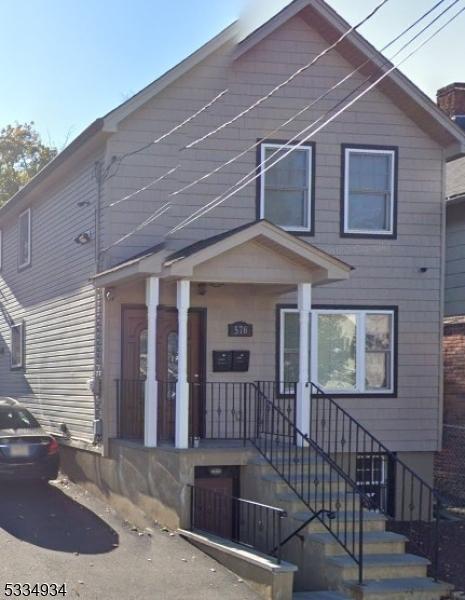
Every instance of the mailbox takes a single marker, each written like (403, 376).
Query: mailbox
(230, 360)
(240, 360)
(222, 361)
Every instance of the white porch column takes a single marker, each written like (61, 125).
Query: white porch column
(304, 304)
(152, 299)
(182, 388)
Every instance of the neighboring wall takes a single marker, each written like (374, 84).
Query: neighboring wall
(386, 271)
(455, 260)
(55, 299)
(450, 474)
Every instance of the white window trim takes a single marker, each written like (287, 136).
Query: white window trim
(263, 166)
(20, 363)
(368, 150)
(28, 260)
(360, 349)
(373, 481)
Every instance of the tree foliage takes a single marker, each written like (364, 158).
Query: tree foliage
(22, 155)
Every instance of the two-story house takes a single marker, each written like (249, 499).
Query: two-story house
(285, 346)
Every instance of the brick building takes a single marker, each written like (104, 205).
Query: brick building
(450, 472)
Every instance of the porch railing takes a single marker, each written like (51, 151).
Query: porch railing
(411, 504)
(244, 522)
(229, 410)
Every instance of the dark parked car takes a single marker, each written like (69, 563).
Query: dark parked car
(27, 452)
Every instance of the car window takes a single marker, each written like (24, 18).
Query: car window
(16, 418)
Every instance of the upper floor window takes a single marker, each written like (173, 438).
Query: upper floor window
(24, 239)
(286, 189)
(17, 346)
(369, 191)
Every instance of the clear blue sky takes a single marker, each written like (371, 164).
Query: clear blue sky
(66, 62)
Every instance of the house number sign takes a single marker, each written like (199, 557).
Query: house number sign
(240, 329)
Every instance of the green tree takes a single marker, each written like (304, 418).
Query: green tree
(22, 155)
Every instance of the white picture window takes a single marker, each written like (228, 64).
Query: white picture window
(352, 351)
(24, 239)
(286, 188)
(17, 345)
(369, 191)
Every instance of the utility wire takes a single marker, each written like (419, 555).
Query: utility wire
(289, 79)
(146, 187)
(257, 103)
(161, 138)
(219, 198)
(305, 108)
(210, 206)
(258, 169)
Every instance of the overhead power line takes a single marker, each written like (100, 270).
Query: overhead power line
(306, 107)
(221, 94)
(289, 79)
(220, 199)
(163, 137)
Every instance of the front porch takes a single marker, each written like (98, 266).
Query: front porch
(191, 336)
(221, 413)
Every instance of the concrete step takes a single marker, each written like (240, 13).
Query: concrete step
(323, 482)
(409, 588)
(319, 596)
(374, 542)
(305, 462)
(291, 502)
(377, 566)
(372, 521)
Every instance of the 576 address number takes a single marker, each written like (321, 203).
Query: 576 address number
(23, 590)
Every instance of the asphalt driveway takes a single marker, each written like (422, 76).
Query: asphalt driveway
(61, 534)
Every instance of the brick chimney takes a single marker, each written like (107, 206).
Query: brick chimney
(451, 99)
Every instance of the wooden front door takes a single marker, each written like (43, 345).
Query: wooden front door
(133, 372)
(167, 371)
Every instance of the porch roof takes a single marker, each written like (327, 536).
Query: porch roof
(257, 252)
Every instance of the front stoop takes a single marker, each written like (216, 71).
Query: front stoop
(389, 572)
(319, 596)
(411, 588)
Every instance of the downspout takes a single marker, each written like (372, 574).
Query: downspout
(442, 303)
(98, 308)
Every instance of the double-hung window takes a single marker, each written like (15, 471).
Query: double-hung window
(286, 188)
(352, 350)
(24, 239)
(369, 191)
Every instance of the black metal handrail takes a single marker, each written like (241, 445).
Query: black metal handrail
(226, 410)
(242, 521)
(394, 489)
(325, 489)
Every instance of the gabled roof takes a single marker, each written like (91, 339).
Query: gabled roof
(184, 262)
(319, 15)
(403, 92)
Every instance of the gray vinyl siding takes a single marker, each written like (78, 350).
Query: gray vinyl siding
(455, 260)
(386, 271)
(455, 177)
(55, 300)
